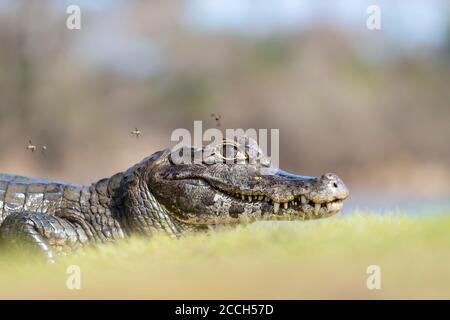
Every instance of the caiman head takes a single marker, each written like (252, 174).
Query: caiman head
(224, 184)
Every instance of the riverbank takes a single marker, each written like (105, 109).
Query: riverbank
(301, 260)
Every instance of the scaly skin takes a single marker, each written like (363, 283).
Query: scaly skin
(162, 193)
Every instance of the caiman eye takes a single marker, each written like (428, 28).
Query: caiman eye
(254, 155)
(228, 151)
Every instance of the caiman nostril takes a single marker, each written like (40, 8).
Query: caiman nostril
(335, 185)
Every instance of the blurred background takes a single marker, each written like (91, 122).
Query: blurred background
(370, 105)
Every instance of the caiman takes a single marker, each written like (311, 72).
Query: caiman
(160, 194)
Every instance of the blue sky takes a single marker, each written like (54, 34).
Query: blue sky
(406, 22)
(406, 25)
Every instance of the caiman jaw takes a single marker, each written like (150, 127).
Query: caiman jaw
(281, 196)
(299, 203)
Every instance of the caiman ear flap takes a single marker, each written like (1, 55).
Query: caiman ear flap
(141, 209)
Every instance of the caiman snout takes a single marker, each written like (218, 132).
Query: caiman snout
(329, 187)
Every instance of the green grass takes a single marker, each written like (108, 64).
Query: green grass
(315, 259)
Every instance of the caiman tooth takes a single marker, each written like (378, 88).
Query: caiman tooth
(285, 205)
(328, 206)
(276, 207)
(260, 197)
(303, 199)
(316, 208)
(243, 197)
(250, 198)
(266, 199)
